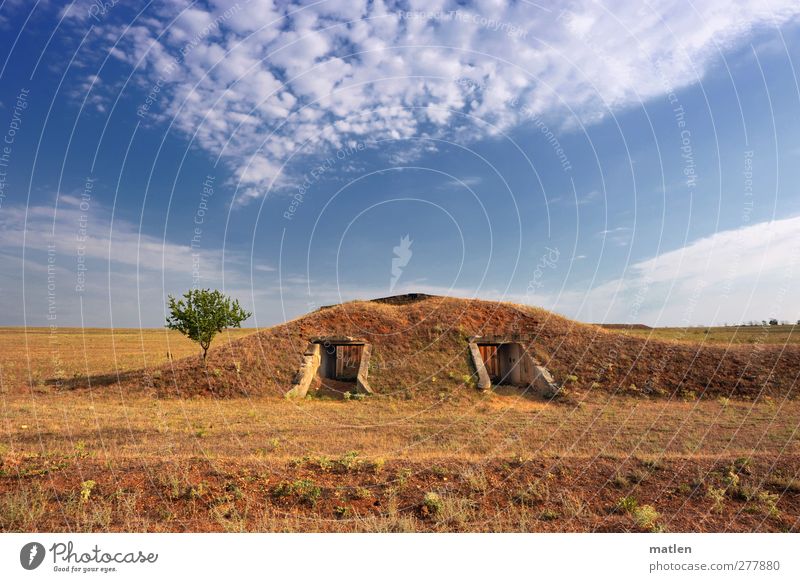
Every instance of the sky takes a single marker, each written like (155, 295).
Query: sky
(612, 161)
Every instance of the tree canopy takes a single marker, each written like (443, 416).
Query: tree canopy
(203, 313)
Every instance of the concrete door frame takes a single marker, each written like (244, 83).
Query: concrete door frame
(312, 359)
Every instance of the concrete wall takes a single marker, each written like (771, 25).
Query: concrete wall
(317, 360)
(308, 370)
(517, 367)
(363, 371)
(484, 383)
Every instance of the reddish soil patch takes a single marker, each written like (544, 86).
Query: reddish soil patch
(352, 494)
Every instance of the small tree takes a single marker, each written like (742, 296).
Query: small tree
(202, 313)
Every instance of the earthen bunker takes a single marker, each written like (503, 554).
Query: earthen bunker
(503, 360)
(344, 360)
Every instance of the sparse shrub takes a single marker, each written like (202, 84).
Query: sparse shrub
(571, 379)
(533, 494)
(305, 489)
(731, 480)
(653, 464)
(361, 493)
(724, 401)
(769, 502)
(431, 504)
(645, 516)
(86, 490)
(572, 505)
(744, 492)
(80, 449)
(549, 515)
(377, 465)
(456, 512)
(627, 504)
(282, 489)
(197, 491)
(350, 461)
(637, 476)
(21, 509)
(476, 479)
(402, 477)
(742, 466)
(342, 512)
(439, 471)
(717, 496)
(620, 481)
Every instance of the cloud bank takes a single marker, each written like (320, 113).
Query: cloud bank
(260, 84)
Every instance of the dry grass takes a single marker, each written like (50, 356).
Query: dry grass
(732, 335)
(501, 464)
(486, 426)
(39, 356)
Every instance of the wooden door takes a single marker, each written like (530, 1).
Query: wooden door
(490, 361)
(348, 360)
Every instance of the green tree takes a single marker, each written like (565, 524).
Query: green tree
(203, 313)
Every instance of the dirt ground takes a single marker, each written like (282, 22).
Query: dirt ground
(499, 463)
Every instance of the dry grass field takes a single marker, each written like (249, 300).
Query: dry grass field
(507, 463)
(732, 335)
(37, 354)
(109, 459)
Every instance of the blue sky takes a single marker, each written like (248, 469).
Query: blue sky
(608, 161)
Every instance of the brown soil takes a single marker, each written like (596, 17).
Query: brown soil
(354, 494)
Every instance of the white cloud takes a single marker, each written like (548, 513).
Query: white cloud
(750, 273)
(260, 83)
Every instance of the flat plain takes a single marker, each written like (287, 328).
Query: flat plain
(108, 460)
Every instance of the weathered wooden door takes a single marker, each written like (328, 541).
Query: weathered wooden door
(348, 359)
(490, 361)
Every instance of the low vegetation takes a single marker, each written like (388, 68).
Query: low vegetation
(115, 431)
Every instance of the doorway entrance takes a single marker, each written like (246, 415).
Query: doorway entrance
(503, 362)
(341, 361)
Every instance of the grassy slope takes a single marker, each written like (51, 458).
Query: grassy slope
(415, 343)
